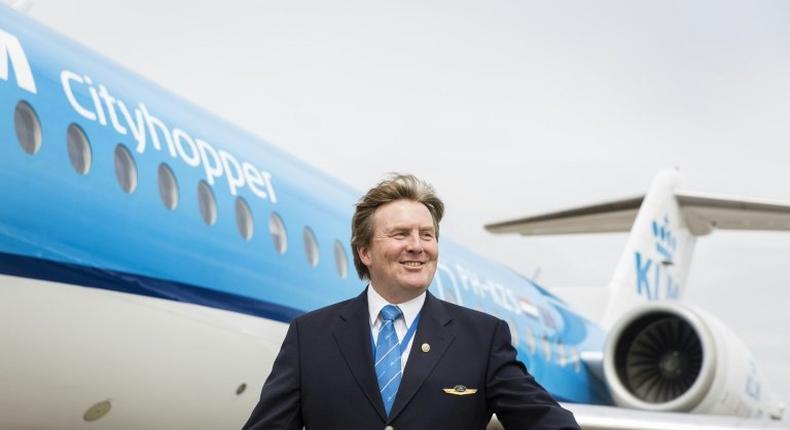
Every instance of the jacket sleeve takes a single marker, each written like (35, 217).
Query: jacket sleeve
(280, 404)
(518, 401)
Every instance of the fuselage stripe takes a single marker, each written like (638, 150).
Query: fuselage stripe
(94, 277)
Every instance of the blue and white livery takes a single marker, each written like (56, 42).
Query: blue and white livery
(152, 255)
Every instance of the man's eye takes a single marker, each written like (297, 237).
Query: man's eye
(399, 235)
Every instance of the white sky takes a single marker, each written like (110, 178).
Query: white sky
(509, 108)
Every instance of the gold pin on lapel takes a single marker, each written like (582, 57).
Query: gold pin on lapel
(460, 390)
(425, 347)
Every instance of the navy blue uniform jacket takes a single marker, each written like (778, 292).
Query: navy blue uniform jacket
(324, 378)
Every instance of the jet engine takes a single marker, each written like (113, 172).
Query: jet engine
(673, 357)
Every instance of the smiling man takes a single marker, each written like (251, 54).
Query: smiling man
(395, 357)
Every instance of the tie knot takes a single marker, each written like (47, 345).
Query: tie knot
(390, 313)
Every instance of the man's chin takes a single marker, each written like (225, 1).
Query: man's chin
(416, 285)
(424, 275)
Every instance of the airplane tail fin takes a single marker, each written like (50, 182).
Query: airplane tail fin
(656, 259)
(663, 225)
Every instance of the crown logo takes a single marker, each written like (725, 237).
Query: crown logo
(666, 242)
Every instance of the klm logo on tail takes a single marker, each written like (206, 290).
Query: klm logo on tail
(666, 242)
(653, 275)
(11, 52)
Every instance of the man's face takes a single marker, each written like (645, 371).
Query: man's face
(401, 257)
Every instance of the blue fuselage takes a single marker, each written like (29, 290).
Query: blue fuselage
(84, 229)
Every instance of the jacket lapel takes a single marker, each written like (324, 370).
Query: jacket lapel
(352, 335)
(435, 330)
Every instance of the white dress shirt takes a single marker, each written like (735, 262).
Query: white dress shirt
(409, 309)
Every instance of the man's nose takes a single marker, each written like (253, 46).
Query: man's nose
(413, 242)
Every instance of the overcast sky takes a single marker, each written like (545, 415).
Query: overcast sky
(509, 108)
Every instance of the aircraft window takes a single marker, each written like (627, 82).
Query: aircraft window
(514, 337)
(28, 127)
(310, 246)
(546, 348)
(125, 168)
(207, 203)
(277, 230)
(168, 186)
(79, 149)
(561, 359)
(244, 218)
(576, 360)
(531, 341)
(341, 261)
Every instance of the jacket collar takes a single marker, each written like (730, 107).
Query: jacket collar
(352, 334)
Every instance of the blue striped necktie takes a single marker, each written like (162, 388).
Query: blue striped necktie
(388, 369)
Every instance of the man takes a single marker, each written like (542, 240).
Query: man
(395, 357)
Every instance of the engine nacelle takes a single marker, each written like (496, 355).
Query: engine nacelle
(673, 357)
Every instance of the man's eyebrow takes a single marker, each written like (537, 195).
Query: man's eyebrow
(402, 228)
(428, 230)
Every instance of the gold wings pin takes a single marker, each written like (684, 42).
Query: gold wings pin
(460, 390)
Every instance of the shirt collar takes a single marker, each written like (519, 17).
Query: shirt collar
(410, 308)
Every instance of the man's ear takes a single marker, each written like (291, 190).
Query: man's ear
(364, 255)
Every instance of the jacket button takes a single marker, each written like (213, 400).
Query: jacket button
(389, 428)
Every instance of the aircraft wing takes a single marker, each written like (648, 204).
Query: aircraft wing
(593, 417)
(702, 213)
(609, 217)
(734, 214)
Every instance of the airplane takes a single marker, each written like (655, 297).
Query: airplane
(152, 256)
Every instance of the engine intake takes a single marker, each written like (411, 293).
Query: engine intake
(661, 357)
(675, 357)
(658, 357)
